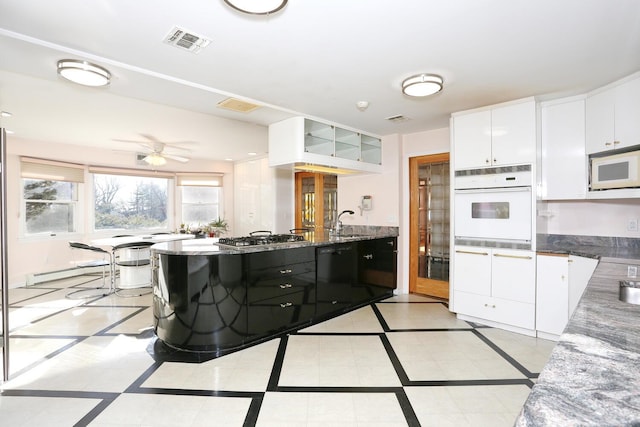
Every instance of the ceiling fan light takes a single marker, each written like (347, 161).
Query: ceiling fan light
(83, 72)
(257, 7)
(422, 85)
(155, 159)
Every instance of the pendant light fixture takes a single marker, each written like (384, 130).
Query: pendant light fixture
(83, 72)
(257, 7)
(422, 85)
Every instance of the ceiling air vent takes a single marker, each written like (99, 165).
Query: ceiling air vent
(237, 105)
(397, 119)
(186, 40)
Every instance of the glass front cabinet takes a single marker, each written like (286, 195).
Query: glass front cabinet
(302, 140)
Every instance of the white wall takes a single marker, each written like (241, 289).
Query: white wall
(589, 218)
(384, 188)
(33, 255)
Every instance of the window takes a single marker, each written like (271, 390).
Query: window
(201, 198)
(130, 202)
(49, 196)
(49, 206)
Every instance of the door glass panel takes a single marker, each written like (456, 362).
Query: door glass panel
(433, 221)
(330, 191)
(308, 202)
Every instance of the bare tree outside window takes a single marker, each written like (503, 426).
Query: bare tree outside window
(130, 202)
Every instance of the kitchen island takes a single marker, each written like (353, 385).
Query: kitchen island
(215, 298)
(592, 376)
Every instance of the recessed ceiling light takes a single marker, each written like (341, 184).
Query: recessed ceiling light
(422, 85)
(83, 72)
(257, 7)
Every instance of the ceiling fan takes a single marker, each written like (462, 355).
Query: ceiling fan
(155, 149)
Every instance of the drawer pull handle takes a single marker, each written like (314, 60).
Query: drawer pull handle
(492, 305)
(334, 302)
(390, 243)
(368, 256)
(472, 253)
(512, 256)
(286, 285)
(287, 271)
(286, 304)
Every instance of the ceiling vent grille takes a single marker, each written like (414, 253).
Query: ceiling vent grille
(186, 40)
(397, 119)
(237, 105)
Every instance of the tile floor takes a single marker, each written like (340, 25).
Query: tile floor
(405, 361)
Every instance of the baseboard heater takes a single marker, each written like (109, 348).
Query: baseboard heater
(79, 270)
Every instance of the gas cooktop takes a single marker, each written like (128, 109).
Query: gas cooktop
(254, 239)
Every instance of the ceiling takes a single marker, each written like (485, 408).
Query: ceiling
(316, 58)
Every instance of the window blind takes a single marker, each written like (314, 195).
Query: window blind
(199, 179)
(130, 172)
(51, 170)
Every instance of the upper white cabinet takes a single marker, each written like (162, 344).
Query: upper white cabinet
(301, 140)
(504, 134)
(612, 117)
(563, 165)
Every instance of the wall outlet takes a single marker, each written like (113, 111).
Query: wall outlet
(632, 271)
(632, 225)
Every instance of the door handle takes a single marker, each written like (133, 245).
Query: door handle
(512, 256)
(285, 285)
(368, 256)
(287, 271)
(473, 253)
(286, 304)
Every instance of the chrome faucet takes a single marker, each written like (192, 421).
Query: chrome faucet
(338, 228)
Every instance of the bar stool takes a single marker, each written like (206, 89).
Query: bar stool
(99, 291)
(133, 261)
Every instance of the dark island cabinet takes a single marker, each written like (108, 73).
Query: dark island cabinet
(218, 303)
(336, 276)
(281, 290)
(200, 301)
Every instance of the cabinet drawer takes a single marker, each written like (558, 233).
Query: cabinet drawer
(275, 258)
(283, 272)
(275, 314)
(512, 313)
(276, 289)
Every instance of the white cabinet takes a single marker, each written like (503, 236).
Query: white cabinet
(301, 140)
(497, 285)
(501, 135)
(563, 165)
(612, 117)
(258, 190)
(561, 280)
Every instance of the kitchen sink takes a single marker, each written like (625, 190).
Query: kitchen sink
(630, 292)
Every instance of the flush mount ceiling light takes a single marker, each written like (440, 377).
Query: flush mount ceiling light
(83, 72)
(422, 85)
(257, 7)
(155, 159)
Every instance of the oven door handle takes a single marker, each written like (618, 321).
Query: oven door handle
(493, 190)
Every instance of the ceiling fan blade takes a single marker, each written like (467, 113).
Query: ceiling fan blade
(177, 158)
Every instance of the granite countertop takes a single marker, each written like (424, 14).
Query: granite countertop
(593, 374)
(210, 246)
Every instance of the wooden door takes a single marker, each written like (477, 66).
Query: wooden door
(429, 225)
(316, 201)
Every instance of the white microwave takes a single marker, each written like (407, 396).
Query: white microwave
(615, 171)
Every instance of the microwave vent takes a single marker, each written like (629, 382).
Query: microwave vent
(186, 40)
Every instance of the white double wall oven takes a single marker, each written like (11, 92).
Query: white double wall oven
(494, 247)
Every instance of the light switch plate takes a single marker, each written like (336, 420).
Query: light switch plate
(632, 271)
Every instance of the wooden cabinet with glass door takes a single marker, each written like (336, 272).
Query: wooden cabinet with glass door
(316, 202)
